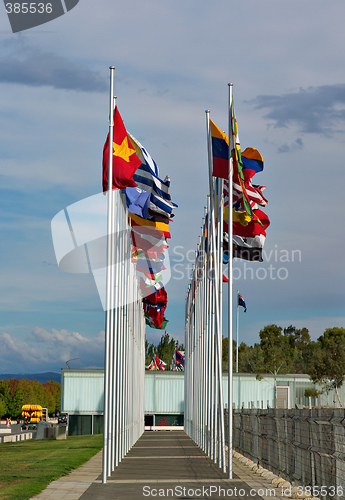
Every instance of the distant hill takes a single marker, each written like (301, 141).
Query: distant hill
(40, 377)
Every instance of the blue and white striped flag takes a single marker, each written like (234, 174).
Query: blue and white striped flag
(147, 179)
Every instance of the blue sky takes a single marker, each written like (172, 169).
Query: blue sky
(173, 61)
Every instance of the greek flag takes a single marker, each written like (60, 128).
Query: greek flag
(147, 179)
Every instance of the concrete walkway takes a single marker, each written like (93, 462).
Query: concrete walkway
(161, 464)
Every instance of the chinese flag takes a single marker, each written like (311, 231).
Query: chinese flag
(125, 159)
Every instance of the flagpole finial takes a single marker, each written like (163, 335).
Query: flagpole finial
(111, 67)
(230, 84)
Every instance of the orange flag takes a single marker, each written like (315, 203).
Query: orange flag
(125, 159)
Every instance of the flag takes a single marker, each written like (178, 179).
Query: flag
(155, 312)
(149, 244)
(148, 227)
(253, 228)
(150, 210)
(149, 286)
(158, 298)
(152, 366)
(125, 159)
(220, 152)
(254, 193)
(148, 253)
(150, 265)
(147, 178)
(244, 248)
(238, 166)
(148, 280)
(179, 357)
(160, 364)
(151, 183)
(252, 163)
(137, 201)
(241, 226)
(162, 327)
(159, 217)
(144, 155)
(153, 263)
(248, 248)
(241, 302)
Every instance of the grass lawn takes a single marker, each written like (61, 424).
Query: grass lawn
(27, 467)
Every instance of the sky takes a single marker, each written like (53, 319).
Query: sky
(173, 61)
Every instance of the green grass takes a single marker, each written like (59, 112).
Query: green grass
(27, 467)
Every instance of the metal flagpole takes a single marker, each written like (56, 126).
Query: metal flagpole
(121, 333)
(208, 376)
(112, 193)
(115, 351)
(230, 394)
(220, 264)
(118, 286)
(109, 297)
(210, 327)
(237, 324)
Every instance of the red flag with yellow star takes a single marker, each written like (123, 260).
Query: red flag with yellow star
(125, 159)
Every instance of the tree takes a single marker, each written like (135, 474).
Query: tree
(301, 346)
(149, 351)
(53, 394)
(15, 405)
(5, 393)
(327, 366)
(165, 350)
(297, 338)
(3, 407)
(250, 359)
(225, 354)
(277, 353)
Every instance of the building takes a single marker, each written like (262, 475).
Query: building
(82, 396)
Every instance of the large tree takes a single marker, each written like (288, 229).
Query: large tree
(3, 407)
(250, 359)
(327, 366)
(277, 353)
(165, 350)
(301, 346)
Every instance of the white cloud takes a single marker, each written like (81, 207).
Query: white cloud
(42, 350)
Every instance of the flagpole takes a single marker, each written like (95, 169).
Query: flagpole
(237, 323)
(109, 299)
(230, 250)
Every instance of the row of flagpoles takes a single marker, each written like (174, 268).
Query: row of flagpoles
(203, 414)
(229, 230)
(124, 349)
(139, 211)
(124, 357)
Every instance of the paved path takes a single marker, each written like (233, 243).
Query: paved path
(163, 465)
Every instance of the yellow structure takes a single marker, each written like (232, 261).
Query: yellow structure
(33, 413)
